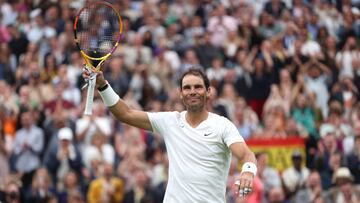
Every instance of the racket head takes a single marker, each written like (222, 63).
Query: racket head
(97, 30)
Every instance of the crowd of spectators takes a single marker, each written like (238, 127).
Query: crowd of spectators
(278, 68)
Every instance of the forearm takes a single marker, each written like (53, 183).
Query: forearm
(249, 169)
(122, 111)
(248, 157)
(244, 155)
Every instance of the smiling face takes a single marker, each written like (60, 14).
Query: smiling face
(194, 93)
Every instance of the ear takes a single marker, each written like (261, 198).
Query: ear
(180, 93)
(208, 92)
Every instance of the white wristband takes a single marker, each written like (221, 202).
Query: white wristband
(249, 167)
(109, 96)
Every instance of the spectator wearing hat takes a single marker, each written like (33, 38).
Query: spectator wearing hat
(294, 177)
(344, 190)
(328, 156)
(60, 159)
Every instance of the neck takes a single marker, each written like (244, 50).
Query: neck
(195, 118)
(27, 127)
(107, 178)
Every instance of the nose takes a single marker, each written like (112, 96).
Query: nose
(193, 90)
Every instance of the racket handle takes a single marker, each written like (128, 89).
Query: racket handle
(90, 96)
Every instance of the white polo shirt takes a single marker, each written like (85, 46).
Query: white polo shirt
(199, 158)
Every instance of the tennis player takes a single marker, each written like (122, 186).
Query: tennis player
(199, 143)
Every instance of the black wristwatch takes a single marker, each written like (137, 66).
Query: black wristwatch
(102, 88)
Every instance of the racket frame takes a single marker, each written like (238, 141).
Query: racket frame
(88, 65)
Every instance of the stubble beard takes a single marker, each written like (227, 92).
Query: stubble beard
(196, 107)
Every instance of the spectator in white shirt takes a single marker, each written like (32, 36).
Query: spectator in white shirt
(295, 177)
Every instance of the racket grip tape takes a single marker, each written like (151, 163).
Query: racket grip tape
(90, 96)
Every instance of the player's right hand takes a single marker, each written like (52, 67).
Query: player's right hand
(100, 79)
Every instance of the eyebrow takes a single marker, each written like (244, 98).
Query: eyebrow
(194, 85)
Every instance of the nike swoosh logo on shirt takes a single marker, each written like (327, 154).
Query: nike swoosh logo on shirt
(207, 134)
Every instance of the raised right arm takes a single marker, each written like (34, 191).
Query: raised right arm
(124, 113)
(118, 107)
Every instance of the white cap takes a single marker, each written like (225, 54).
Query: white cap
(344, 173)
(49, 32)
(65, 134)
(310, 48)
(76, 4)
(34, 13)
(326, 129)
(355, 11)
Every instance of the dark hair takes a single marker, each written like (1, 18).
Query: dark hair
(196, 72)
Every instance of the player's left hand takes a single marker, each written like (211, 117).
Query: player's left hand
(244, 184)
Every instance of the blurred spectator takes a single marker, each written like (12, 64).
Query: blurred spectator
(4, 165)
(41, 189)
(87, 126)
(141, 191)
(28, 144)
(345, 190)
(245, 118)
(72, 188)
(117, 76)
(152, 24)
(98, 149)
(18, 43)
(63, 157)
(136, 52)
(227, 99)
(12, 192)
(312, 189)
(269, 176)
(316, 78)
(303, 113)
(275, 7)
(194, 30)
(68, 91)
(294, 178)
(268, 27)
(216, 72)
(277, 195)
(6, 70)
(274, 120)
(106, 188)
(260, 85)
(220, 24)
(190, 59)
(353, 160)
(205, 51)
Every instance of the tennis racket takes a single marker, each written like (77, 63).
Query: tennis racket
(97, 32)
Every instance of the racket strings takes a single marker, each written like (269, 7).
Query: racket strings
(97, 25)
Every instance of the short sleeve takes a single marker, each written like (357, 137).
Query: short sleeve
(160, 121)
(231, 133)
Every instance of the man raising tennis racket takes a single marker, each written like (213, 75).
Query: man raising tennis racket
(199, 143)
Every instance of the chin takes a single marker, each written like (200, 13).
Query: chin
(194, 108)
